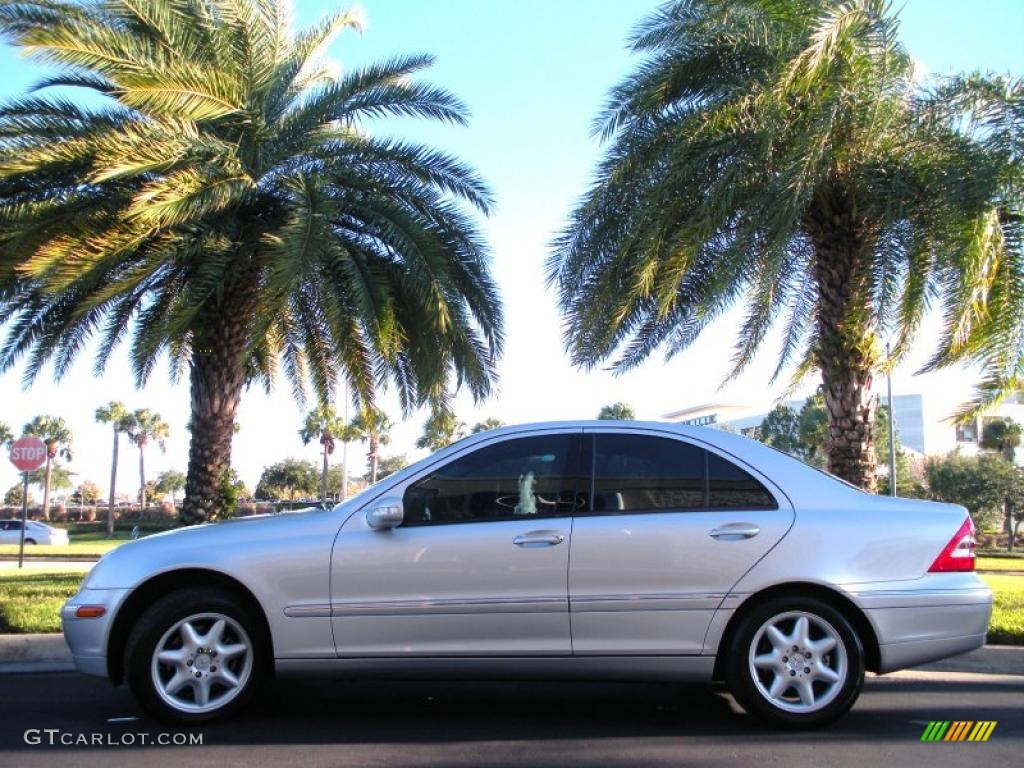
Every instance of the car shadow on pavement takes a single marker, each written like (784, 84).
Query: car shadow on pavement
(405, 717)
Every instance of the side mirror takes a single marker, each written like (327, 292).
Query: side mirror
(385, 514)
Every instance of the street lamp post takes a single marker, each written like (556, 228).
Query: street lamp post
(892, 425)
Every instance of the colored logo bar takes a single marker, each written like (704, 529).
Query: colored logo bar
(958, 730)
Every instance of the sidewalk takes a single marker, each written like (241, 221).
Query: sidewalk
(48, 653)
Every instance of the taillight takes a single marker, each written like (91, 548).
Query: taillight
(958, 555)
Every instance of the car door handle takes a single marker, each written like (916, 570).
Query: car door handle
(735, 531)
(535, 539)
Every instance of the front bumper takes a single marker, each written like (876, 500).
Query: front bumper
(88, 638)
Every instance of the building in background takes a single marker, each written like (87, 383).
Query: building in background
(924, 426)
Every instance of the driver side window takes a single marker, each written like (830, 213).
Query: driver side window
(522, 478)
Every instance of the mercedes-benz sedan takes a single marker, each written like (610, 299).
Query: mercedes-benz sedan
(587, 550)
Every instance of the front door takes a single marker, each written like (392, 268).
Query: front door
(479, 565)
(671, 528)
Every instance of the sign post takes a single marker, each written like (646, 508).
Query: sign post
(27, 454)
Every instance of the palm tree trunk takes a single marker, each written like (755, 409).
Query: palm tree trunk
(113, 484)
(373, 458)
(142, 477)
(217, 379)
(323, 479)
(846, 350)
(46, 488)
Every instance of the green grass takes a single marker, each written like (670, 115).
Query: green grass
(30, 599)
(1007, 624)
(1000, 563)
(76, 547)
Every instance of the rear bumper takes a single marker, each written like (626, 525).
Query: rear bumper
(945, 616)
(88, 638)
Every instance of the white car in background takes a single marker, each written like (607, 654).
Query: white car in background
(35, 533)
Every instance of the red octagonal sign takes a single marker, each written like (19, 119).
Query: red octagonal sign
(28, 453)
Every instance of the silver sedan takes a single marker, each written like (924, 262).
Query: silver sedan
(612, 550)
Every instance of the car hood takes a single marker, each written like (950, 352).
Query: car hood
(214, 546)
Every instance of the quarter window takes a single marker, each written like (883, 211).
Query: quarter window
(523, 478)
(729, 487)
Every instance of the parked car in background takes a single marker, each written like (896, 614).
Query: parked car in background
(35, 533)
(588, 550)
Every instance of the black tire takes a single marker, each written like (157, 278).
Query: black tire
(752, 694)
(30, 541)
(158, 620)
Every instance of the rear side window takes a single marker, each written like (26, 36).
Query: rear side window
(638, 473)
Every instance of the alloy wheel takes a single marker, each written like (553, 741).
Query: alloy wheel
(798, 662)
(202, 662)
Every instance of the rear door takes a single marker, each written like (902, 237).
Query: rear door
(671, 527)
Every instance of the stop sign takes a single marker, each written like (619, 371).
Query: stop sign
(28, 453)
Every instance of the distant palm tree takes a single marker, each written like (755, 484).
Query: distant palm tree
(53, 431)
(324, 424)
(225, 202)
(1002, 435)
(783, 153)
(115, 414)
(486, 425)
(617, 412)
(372, 425)
(441, 429)
(143, 426)
(6, 435)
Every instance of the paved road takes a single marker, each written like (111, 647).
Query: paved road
(400, 724)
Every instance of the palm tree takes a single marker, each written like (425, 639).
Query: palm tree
(142, 426)
(223, 199)
(53, 431)
(324, 424)
(6, 435)
(1001, 435)
(372, 425)
(485, 425)
(783, 153)
(115, 414)
(441, 429)
(617, 412)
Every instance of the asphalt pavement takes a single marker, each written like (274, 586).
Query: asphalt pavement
(596, 725)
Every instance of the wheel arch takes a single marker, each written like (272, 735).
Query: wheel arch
(162, 584)
(850, 610)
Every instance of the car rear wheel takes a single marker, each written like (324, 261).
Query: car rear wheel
(796, 662)
(194, 656)
(30, 541)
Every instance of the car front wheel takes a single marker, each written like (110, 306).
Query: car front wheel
(194, 656)
(796, 662)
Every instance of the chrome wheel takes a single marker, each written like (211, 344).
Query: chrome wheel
(202, 662)
(798, 662)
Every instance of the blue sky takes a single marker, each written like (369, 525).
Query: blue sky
(534, 73)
